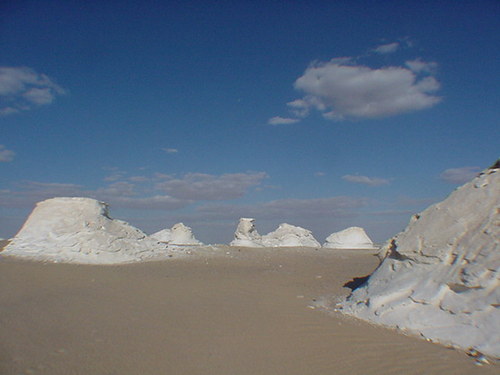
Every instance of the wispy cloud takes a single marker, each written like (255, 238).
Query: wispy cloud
(278, 120)
(459, 175)
(420, 66)
(22, 89)
(386, 48)
(365, 180)
(163, 192)
(6, 155)
(170, 150)
(286, 209)
(200, 186)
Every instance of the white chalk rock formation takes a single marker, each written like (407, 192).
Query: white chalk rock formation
(79, 230)
(246, 235)
(350, 238)
(179, 234)
(440, 276)
(163, 235)
(290, 236)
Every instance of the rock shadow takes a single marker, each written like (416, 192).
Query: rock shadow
(356, 282)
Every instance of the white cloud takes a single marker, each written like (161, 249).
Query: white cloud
(386, 48)
(343, 90)
(170, 150)
(319, 174)
(459, 175)
(199, 186)
(22, 89)
(419, 66)
(6, 155)
(365, 180)
(278, 120)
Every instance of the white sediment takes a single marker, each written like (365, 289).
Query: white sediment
(285, 235)
(440, 276)
(79, 230)
(350, 238)
(179, 234)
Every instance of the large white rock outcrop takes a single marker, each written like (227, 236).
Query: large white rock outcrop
(246, 235)
(179, 234)
(350, 238)
(79, 230)
(290, 236)
(285, 235)
(440, 276)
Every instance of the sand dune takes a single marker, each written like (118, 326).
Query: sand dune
(222, 311)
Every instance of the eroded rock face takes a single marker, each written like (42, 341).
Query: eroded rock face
(290, 236)
(80, 230)
(285, 235)
(350, 238)
(179, 234)
(440, 276)
(246, 235)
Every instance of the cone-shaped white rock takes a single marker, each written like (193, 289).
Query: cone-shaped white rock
(290, 236)
(182, 235)
(179, 234)
(440, 277)
(80, 230)
(246, 235)
(350, 238)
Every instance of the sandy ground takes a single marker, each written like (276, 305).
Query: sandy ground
(244, 311)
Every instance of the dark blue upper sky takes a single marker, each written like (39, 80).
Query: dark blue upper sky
(323, 114)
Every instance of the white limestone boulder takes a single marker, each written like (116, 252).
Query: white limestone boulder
(440, 276)
(179, 234)
(80, 230)
(350, 238)
(287, 235)
(246, 234)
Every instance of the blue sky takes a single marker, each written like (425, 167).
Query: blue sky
(322, 114)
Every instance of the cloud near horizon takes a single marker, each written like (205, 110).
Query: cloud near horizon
(459, 175)
(365, 180)
(200, 186)
(6, 155)
(341, 89)
(23, 89)
(286, 209)
(167, 192)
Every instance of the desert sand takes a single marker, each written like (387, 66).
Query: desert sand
(218, 311)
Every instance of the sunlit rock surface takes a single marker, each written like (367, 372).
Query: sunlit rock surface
(80, 230)
(290, 236)
(440, 276)
(285, 235)
(179, 234)
(350, 238)
(246, 235)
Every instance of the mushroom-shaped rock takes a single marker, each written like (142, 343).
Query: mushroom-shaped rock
(350, 238)
(80, 230)
(440, 276)
(246, 234)
(181, 234)
(287, 235)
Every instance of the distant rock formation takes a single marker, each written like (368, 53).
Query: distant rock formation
(179, 234)
(285, 235)
(440, 276)
(290, 236)
(350, 238)
(79, 230)
(246, 235)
